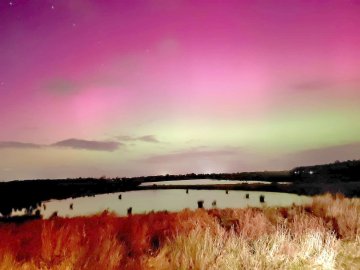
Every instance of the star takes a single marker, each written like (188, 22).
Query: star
(52, 7)
(11, 3)
(74, 24)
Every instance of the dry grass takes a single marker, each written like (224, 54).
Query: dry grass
(202, 249)
(322, 235)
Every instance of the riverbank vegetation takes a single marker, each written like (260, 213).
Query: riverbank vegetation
(322, 235)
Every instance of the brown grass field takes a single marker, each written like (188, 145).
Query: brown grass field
(322, 235)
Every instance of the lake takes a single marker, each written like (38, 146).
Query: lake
(202, 182)
(144, 201)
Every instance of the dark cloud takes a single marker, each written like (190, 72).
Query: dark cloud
(309, 86)
(89, 145)
(12, 144)
(70, 143)
(145, 138)
(321, 85)
(148, 138)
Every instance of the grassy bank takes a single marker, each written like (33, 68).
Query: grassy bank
(322, 235)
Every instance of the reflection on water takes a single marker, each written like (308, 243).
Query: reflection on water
(171, 200)
(201, 182)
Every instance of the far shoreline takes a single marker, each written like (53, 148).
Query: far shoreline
(338, 177)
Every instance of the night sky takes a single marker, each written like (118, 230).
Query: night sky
(130, 88)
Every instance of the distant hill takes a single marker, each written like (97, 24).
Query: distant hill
(346, 171)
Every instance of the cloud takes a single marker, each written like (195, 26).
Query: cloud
(326, 154)
(316, 156)
(310, 86)
(69, 143)
(89, 145)
(324, 85)
(236, 159)
(12, 144)
(205, 159)
(62, 86)
(194, 153)
(145, 138)
(148, 138)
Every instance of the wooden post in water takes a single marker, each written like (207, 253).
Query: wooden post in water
(71, 206)
(187, 191)
(247, 196)
(200, 204)
(214, 203)
(129, 211)
(227, 192)
(262, 198)
(120, 197)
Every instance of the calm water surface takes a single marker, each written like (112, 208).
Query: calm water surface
(202, 182)
(171, 200)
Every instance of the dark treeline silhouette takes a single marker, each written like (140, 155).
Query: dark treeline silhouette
(270, 176)
(347, 171)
